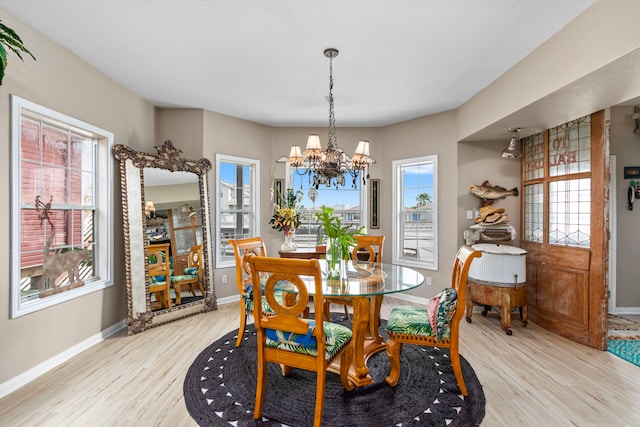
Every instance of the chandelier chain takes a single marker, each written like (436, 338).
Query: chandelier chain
(332, 118)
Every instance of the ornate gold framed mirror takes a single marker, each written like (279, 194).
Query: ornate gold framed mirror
(167, 234)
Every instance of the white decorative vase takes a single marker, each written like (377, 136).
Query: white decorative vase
(288, 244)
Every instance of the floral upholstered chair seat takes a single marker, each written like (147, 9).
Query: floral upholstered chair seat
(336, 337)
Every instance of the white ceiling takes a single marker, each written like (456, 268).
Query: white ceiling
(263, 60)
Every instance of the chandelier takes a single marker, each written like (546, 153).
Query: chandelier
(328, 167)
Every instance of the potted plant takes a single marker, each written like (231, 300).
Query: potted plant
(9, 40)
(321, 243)
(339, 238)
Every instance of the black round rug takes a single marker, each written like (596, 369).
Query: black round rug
(219, 390)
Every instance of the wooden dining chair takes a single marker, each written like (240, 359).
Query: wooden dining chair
(159, 267)
(243, 249)
(436, 326)
(366, 249)
(191, 275)
(289, 339)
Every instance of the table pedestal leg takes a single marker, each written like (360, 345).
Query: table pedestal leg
(366, 340)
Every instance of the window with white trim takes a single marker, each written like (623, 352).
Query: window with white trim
(61, 211)
(415, 222)
(237, 207)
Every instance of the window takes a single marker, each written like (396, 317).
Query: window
(62, 231)
(346, 201)
(237, 210)
(415, 225)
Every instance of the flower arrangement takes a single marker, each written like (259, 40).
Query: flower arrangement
(287, 216)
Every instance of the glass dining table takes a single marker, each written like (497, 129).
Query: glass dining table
(365, 284)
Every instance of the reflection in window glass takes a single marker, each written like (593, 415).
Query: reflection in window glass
(61, 207)
(570, 212)
(415, 207)
(237, 207)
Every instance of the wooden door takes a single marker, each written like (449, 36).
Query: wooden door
(565, 229)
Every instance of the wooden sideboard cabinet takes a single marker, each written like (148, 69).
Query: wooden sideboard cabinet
(302, 254)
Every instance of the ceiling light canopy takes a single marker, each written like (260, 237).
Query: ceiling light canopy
(513, 149)
(329, 167)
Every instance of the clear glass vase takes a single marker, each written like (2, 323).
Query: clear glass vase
(334, 259)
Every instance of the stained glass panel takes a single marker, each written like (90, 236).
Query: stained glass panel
(533, 216)
(570, 212)
(570, 147)
(534, 156)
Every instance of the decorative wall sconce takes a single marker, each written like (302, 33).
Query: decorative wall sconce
(513, 149)
(636, 116)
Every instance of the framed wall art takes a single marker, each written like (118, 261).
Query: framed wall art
(631, 172)
(374, 203)
(278, 191)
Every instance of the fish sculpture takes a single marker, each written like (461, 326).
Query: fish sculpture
(488, 193)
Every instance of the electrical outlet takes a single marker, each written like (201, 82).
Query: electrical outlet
(224, 279)
(469, 214)
(428, 280)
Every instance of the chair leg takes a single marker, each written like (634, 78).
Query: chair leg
(176, 289)
(261, 385)
(243, 324)
(317, 417)
(393, 352)
(346, 311)
(457, 370)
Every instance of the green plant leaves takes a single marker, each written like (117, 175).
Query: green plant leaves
(9, 40)
(334, 229)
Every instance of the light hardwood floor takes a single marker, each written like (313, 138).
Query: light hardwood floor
(532, 378)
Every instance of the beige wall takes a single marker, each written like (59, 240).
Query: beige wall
(184, 127)
(479, 162)
(60, 81)
(625, 145)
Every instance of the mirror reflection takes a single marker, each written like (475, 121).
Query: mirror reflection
(167, 234)
(174, 237)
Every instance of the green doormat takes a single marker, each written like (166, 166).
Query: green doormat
(628, 350)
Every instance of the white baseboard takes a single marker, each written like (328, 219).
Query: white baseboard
(18, 381)
(624, 310)
(227, 300)
(407, 297)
